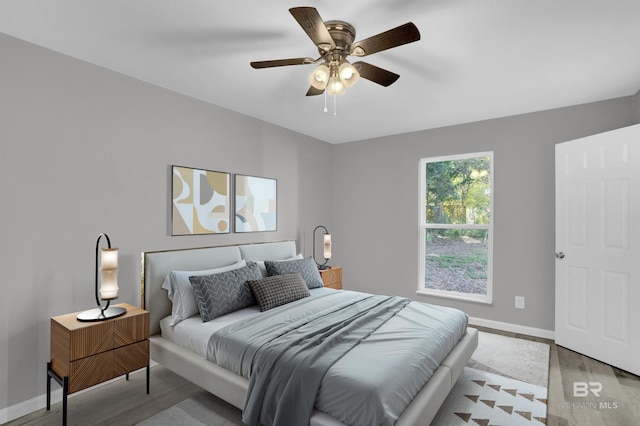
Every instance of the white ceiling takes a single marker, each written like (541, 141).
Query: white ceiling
(477, 59)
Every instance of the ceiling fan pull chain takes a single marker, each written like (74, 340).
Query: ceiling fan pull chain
(325, 101)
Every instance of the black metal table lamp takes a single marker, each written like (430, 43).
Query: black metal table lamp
(109, 288)
(326, 248)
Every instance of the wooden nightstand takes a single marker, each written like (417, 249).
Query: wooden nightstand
(84, 354)
(332, 278)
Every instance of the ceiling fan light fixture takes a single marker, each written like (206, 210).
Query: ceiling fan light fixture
(335, 86)
(335, 42)
(319, 77)
(348, 74)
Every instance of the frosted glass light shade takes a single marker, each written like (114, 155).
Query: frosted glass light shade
(348, 74)
(109, 273)
(336, 87)
(327, 246)
(109, 258)
(319, 77)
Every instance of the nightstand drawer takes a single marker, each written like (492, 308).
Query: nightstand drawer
(332, 278)
(335, 286)
(90, 371)
(130, 358)
(130, 329)
(80, 342)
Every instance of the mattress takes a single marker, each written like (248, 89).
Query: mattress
(193, 334)
(409, 361)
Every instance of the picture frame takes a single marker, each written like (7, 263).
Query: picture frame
(200, 201)
(256, 204)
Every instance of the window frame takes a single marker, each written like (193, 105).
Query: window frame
(423, 226)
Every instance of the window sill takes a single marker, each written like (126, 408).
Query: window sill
(484, 299)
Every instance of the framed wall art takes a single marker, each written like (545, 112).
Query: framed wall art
(255, 204)
(201, 203)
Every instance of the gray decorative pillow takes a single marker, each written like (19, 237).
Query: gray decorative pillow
(225, 292)
(307, 268)
(180, 291)
(278, 290)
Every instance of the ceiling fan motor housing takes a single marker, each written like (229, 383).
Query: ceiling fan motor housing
(343, 35)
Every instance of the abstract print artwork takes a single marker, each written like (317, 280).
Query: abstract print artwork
(255, 204)
(201, 203)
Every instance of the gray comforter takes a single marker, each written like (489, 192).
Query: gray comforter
(289, 354)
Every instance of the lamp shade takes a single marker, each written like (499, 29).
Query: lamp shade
(327, 246)
(109, 273)
(109, 258)
(336, 86)
(319, 77)
(348, 74)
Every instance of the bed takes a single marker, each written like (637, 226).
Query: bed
(186, 354)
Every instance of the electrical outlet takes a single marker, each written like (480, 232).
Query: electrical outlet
(520, 302)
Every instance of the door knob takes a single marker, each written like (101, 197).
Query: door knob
(560, 255)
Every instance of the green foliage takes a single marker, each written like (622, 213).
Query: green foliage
(458, 191)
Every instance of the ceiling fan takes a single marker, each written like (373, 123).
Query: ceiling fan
(334, 40)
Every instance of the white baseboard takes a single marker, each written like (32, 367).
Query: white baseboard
(26, 407)
(513, 328)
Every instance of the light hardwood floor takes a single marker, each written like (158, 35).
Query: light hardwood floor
(126, 403)
(619, 401)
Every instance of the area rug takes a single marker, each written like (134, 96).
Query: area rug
(203, 409)
(505, 383)
(482, 398)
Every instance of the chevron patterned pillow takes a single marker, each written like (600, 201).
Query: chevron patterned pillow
(225, 292)
(278, 290)
(307, 268)
(180, 291)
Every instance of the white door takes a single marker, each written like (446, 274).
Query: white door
(598, 247)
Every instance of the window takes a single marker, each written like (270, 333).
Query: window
(456, 199)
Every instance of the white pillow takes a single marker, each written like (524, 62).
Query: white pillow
(263, 268)
(181, 294)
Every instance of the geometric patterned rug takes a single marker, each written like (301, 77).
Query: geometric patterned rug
(482, 398)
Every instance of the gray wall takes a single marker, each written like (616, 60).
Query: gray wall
(376, 205)
(85, 150)
(636, 106)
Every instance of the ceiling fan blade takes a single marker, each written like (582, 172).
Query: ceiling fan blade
(314, 92)
(311, 22)
(394, 37)
(282, 62)
(377, 75)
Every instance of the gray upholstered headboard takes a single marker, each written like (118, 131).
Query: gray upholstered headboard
(156, 265)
